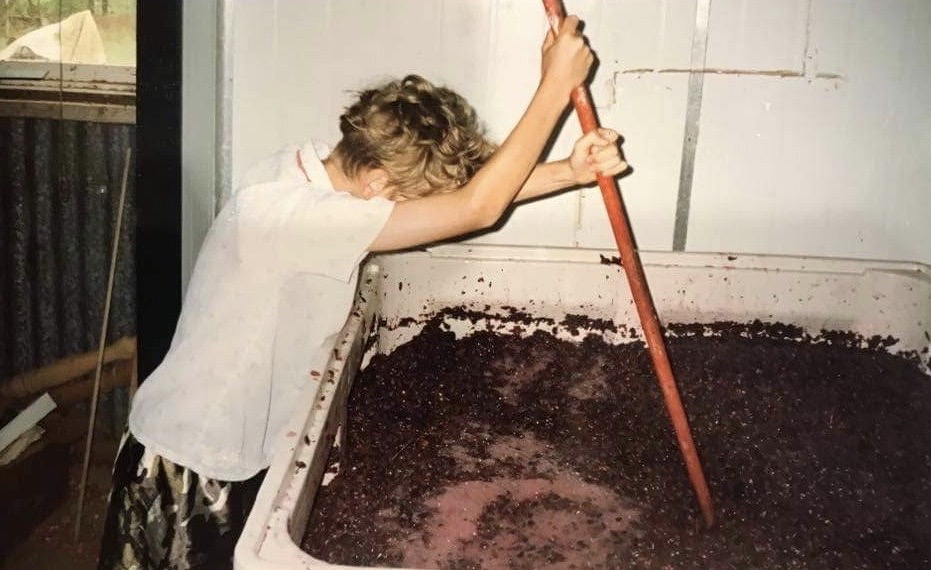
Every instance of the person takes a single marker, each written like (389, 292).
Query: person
(275, 280)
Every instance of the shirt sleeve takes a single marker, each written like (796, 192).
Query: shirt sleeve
(297, 228)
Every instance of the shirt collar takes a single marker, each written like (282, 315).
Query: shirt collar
(312, 155)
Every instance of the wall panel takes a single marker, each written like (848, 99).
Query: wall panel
(814, 130)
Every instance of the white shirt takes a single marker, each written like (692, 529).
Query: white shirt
(273, 285)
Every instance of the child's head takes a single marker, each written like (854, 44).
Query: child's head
(426, 138)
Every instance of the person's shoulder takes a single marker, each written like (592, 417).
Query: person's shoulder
(290, 197)
(275, 191)
(273, 167)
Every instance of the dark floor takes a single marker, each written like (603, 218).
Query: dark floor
(51, 544)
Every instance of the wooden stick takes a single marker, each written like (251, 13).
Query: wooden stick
(630, 261)
(64, 370)
(114, 375)
(103, 339)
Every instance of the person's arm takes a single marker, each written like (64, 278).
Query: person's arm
(482, 201)
(594, 153)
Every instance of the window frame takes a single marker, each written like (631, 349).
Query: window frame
(81, 92)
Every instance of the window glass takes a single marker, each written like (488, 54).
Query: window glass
(89, 32)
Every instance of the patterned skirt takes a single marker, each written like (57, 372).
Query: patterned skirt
(165, 516)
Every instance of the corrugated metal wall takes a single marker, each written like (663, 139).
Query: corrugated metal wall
(59, 192)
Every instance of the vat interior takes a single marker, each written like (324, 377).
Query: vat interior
(522, 465)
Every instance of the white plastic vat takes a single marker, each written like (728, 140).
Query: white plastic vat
(889, 299)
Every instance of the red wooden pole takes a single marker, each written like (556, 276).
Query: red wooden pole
(630, 261)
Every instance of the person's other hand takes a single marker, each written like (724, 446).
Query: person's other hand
(598, 152)
(566, 57)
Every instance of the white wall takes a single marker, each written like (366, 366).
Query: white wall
(198, 114)
(815, 130)
(834, 166)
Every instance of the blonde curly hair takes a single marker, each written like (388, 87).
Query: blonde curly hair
(427, 138)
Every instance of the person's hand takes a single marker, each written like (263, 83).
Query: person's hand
(598, 152)
(566, 57)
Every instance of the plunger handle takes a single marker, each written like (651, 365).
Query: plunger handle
(630, 261)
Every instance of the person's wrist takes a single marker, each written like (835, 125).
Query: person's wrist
(553, 92)
(566, 174)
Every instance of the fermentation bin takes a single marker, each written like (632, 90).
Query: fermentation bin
(396, 292)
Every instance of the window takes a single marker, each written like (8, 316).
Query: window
(71, 59)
